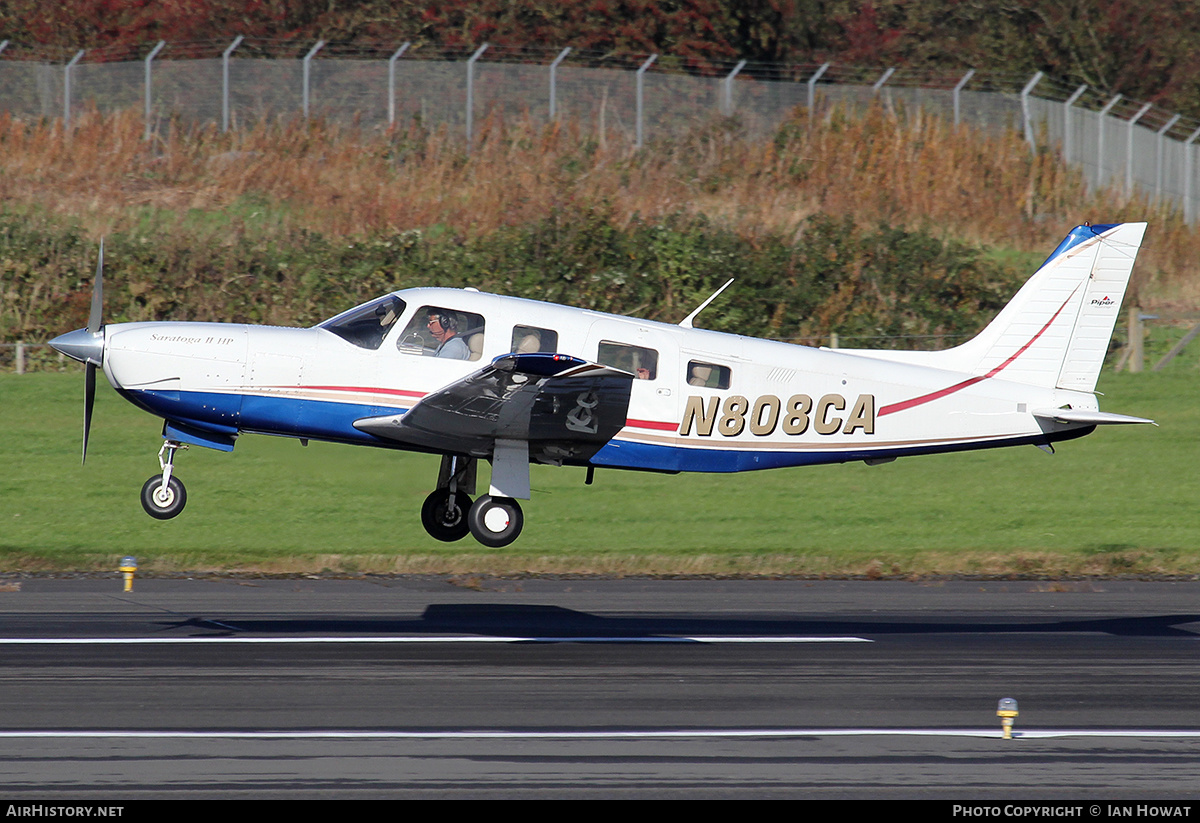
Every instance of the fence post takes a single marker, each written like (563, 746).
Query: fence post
(879, 83)
(67, 90)
(966, 78)
(812, 83)
(1028, 126)
(553, 87)
(727, 103)
(225, 82)
(1158, 156)
(1136, 339)
(307, 63)
(20, 357)
(640, 74)
(1067, 121)
(149, 58)
(1100, 141)
(1129, 149)
(471, 92)
(392, 83)
(1189, 211)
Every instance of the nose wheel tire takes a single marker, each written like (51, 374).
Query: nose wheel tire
(161, 503)
(443, 521)
(496, 521)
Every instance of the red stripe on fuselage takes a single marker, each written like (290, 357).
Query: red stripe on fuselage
(652, 424)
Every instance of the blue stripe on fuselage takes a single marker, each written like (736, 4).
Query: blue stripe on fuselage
(289, 416)
(651, 457)
(333, 421)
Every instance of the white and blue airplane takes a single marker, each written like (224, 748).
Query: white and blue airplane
(474, 376)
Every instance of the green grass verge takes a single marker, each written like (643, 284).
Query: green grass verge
(1122, 500)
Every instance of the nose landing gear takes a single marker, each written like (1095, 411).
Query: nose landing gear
(163, 495)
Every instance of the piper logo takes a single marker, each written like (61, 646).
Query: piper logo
(1106, 301)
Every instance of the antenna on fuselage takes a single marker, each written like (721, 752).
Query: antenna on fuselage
(687, 321)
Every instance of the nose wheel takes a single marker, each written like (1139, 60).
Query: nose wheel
(496, 521)
(163, 500)
(163, 495)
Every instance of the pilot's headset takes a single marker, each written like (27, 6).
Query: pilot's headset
(447, 321)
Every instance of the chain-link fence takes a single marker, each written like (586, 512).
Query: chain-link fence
(1134, 146)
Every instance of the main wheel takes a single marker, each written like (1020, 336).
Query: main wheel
(160, 503)
(496, 521)
(443, 521)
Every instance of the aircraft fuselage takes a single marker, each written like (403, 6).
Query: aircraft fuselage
(701, 401)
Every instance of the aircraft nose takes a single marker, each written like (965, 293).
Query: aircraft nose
(81, 345)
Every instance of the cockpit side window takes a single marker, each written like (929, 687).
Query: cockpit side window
(367, 325)
(441, 332)
(529, 339)
(639, 360)
(708, 375)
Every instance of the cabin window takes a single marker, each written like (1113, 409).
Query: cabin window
(367, 325)
(640, 361)
(708, 375)
(529, 339)
(436, 331)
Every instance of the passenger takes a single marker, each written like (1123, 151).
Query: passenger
(444, 328)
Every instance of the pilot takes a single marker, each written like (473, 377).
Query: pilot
(444, 328)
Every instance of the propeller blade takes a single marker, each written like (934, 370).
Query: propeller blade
(89, 399)
(94, 315)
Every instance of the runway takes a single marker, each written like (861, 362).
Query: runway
(473, 687)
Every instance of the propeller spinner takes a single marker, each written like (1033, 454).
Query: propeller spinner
(87, 346)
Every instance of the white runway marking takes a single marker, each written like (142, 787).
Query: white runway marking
(645, 734)
(133, 641)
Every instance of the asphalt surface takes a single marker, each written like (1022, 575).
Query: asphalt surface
(475, 687)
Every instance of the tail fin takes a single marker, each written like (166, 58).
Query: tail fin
(1055, 331)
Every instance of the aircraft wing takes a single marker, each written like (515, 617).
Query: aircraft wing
(564, 407)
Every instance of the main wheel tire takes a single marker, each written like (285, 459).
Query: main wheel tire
(496, 521)
(163, 504)
(442, 521)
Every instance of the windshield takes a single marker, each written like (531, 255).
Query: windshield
(368, 324)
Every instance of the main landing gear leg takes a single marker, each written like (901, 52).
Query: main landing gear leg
(444, 514)
(163, 495)
(496, 519)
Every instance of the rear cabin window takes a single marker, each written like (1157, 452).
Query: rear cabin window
(708, 375)
(367, 325)
(640, 361)
(436, 331)
(530, 339)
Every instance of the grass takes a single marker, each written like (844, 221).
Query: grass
(1121, 501)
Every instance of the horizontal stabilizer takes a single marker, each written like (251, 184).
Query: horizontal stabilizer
(1094, 418)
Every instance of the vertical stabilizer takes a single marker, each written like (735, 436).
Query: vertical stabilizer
(1055, 331)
